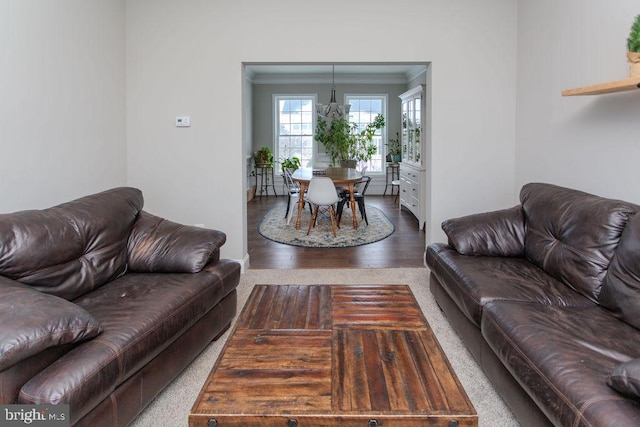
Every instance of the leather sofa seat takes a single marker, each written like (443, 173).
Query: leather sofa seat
(152, 311)
(472, 282)
(564, 367)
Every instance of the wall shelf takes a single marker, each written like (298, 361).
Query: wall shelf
(624, 85)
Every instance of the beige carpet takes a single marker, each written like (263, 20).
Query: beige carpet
(171, 407)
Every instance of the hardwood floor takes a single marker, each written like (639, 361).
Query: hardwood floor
(404, 248)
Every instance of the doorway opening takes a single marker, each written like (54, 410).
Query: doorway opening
(264, 82)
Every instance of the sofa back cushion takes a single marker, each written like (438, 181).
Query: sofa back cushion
(621, 288)
(573, 235)
(73, 248)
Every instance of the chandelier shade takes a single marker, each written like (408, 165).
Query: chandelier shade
(332, 110)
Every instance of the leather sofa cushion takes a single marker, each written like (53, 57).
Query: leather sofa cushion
(73, 248)
(621, 288)
(572, 235)
(141, 315)
(157, 245)
(473, 281)
(33, 321)
(497, 233)
(625, 378)
(562, 357)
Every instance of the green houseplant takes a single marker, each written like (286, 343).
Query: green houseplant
(394, 149)
(291, 163)
(263, 156)
(344, 143)
(633, 48)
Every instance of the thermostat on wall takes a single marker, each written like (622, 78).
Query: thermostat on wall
(183, 121)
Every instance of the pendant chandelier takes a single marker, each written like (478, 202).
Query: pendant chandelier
(333, 110)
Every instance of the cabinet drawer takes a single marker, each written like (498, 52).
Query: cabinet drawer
(409, 176)
(409, 187)
(410, 194)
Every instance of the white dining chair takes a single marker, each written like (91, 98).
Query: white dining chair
(294, 195)
(322, 194)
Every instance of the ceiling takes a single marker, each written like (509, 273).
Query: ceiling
(294, 73)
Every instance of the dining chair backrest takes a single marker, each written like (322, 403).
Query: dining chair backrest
(291, 184)
(361, 186)
(322, 191)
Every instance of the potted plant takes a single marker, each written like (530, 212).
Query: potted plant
(263, 157)
(291, 163)
(344, 144)
(633, 48)
(334, 134)
(394, 150)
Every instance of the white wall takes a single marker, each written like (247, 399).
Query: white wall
(78, 115)
(590, 143)
(62, 100)
(186, 58)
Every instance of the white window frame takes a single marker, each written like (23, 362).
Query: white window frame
(382, 149)
(276, 123)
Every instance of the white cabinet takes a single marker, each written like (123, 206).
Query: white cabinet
(413, 118)
(412, 172)
(411, 192)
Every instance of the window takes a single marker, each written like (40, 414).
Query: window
(294, 125)
(364, 109)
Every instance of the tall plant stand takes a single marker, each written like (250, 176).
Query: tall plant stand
(392, 174)
(267, 178)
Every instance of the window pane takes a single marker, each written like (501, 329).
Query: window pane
(364, 109)
(294, 122)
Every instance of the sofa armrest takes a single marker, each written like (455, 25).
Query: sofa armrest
(497, 233)
(157, 245)
(33, 321)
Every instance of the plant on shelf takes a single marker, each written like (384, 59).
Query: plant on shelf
(633, 48)
(263, 156)
(344, 143)
(394, 150)
(291, 163)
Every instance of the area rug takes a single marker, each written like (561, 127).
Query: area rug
(274, 227)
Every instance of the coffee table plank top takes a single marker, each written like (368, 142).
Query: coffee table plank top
(329, 355)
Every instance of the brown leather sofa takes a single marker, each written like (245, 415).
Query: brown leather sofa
(546, 296)
(102, 304)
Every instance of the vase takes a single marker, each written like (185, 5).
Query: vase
(348, 164)
(634, 63)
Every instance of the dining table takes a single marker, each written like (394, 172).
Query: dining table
(340, 176)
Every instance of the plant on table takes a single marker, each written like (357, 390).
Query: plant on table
(343, 142)
(291, 163)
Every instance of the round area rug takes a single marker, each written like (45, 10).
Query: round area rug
(274, 227)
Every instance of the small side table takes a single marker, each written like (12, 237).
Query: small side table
(392, 177)
(265, 172)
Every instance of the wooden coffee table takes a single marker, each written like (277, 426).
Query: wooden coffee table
(332, 355)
